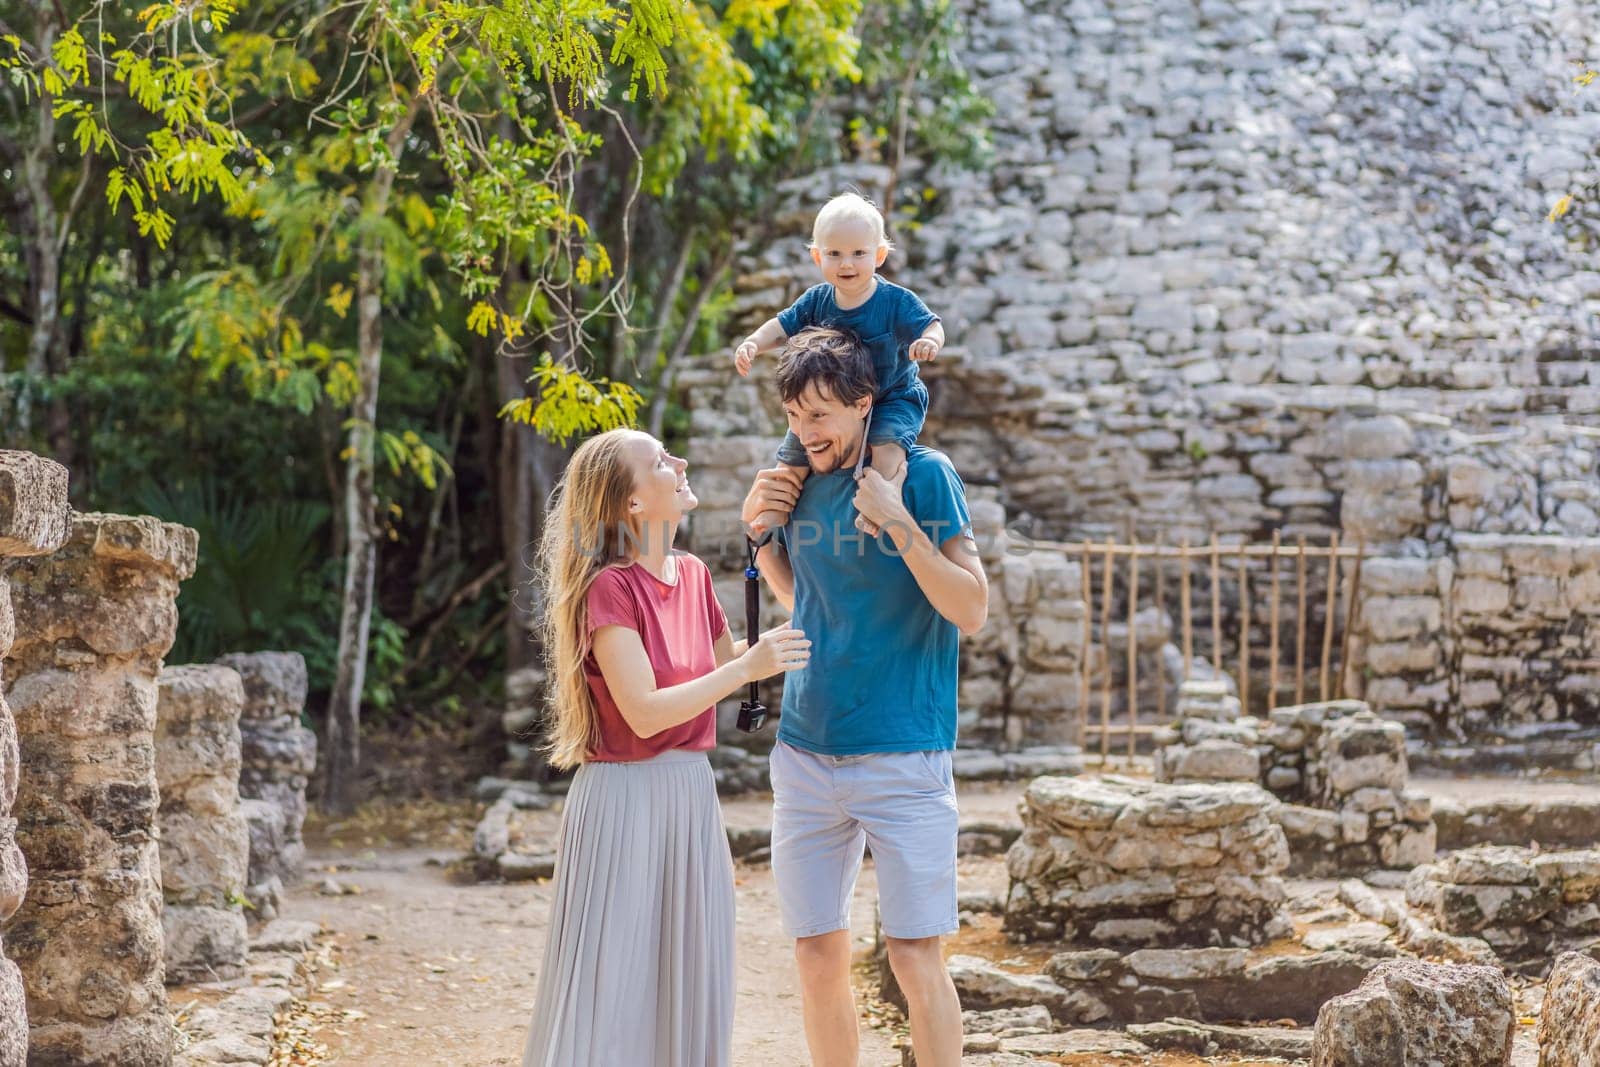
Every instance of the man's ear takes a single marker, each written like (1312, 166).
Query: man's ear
(863, 405)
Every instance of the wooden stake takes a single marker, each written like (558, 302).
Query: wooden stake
(1345, 666)
(1300, 626)
(1188, 611)
(1087, 582)
(1244, 634)
(1216, 605)
(1105, 643)
(1133, 652)
(1272, 625)
(1328, 614)
(1161, 607)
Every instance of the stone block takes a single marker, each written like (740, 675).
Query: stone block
(1569, 1019)
(1214, 760)
(1117, 861)
(203, 943)
(35, 518)
(1361, 751)
(1402, 618)
(1408, 1011)
(274, 683)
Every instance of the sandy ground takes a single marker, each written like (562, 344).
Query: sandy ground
(1468, 790)
(432, 970)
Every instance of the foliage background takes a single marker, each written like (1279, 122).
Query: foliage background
(189, 190)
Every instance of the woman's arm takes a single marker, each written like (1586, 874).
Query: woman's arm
(632, 681)
(648, 710)
(729, 649)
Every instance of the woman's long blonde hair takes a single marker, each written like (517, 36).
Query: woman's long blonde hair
(586, 529)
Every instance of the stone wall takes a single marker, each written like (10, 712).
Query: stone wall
(1497, 636)
(1525, 620)
(278, 756)
(1528, 906)
(205, 842)
(1236, 269)
(34, 520)
(93, 621)
(1340, 770)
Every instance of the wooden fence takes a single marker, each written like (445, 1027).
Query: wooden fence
(1319, 675)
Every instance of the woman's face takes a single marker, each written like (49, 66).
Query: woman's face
(661, 490)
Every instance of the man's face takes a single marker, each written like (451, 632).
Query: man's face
(831, 430)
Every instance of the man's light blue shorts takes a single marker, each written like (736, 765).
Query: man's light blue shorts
(826, 807)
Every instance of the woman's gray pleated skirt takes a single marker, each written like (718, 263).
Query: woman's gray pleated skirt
(638, 970)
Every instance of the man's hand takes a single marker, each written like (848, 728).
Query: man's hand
(880, 502)
(775, 489)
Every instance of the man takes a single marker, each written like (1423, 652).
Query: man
(865, 740)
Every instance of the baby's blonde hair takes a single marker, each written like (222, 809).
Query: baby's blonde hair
(849, 207)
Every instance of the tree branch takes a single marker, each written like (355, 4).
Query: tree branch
(65, 228)
(14, 312)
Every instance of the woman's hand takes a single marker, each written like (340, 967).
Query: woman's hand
(780, 649)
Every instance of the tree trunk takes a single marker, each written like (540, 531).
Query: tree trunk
(680, 346)
(517, 511)
(361, 545)
(343, 767)
(40, 243)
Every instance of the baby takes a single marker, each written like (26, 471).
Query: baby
(848, 244)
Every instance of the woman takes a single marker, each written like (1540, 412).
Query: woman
(639, 965)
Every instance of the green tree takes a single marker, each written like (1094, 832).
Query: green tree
(102, 103)
(514, 218)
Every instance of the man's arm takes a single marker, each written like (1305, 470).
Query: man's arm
(950, 574)
(773, 560)
(776, 489)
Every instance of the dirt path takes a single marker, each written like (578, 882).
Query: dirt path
(434, 971)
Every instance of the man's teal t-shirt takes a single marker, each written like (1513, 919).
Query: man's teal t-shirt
(884, 663)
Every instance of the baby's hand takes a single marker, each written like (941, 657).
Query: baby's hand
(923, 350)
(743, 356)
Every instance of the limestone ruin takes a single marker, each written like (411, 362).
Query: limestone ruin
(92, 623)
(1340, 769)
(1407, 1011)
(1118, 862)
(34, 521)
(205, 841)
(278, 758)
(1530, 907)
(1190, 296)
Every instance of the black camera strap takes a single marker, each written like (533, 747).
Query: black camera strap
(753, 713)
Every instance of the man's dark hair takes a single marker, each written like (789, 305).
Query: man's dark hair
(833, 360)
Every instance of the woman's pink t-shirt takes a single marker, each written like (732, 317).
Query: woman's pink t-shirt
(679, 625)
